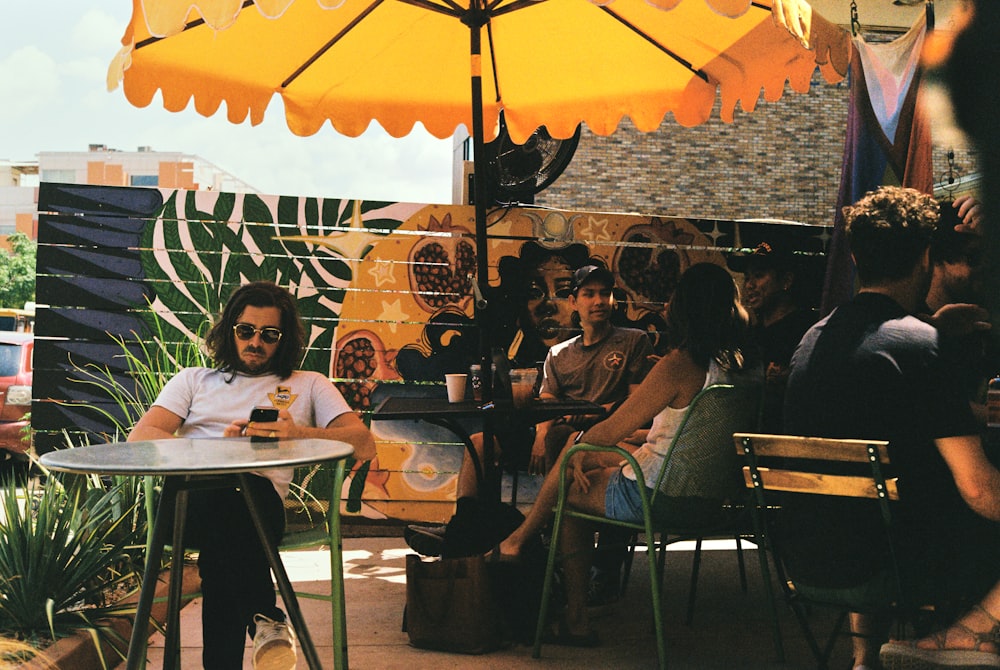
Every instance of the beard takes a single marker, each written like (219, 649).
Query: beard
(254, 361)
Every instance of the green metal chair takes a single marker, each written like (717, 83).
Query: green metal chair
(699, 463)
(328, 534)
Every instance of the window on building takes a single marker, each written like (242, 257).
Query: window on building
(59, 176)
(145, 180)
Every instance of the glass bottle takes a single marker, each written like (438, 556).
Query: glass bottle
(993, 403)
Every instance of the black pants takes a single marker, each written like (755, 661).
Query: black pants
(235, 575)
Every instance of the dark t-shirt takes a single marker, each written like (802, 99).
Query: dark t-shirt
(872, 371)
(776, 344)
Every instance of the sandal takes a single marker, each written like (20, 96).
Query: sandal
(906, 655)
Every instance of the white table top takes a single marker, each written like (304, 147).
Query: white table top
(187, 456)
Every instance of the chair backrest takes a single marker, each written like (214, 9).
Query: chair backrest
(814, 466)
(313, 504)
(805, 466)
(826, 471)
(700, 461)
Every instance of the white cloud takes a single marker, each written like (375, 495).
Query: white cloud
(29, 82)
(98, 33)
(54, 63)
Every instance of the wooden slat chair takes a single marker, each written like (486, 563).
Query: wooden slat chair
(699, 462)
(810, 466)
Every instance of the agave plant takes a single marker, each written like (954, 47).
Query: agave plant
(64, 549)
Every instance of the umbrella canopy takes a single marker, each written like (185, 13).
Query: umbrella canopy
(398, 62)
(445, 63)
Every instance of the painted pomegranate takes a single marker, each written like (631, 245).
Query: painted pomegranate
(649, 265)
(442, 268)
(361, 358)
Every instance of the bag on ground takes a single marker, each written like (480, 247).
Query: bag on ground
(450, 605)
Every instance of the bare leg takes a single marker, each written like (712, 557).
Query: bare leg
(468, 485)
(869, 632)
(539, 515)
(577, 542)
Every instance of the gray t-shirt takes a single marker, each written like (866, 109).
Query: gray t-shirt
(601, 372)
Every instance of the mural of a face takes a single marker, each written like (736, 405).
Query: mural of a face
(548, 310)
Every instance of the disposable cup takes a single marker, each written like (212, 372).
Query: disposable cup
(522, 385)
(456, 387)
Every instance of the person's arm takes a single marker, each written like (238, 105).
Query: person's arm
(156, 424)
(675, 375)
(956, 319)
(977, 479)
(549, 388)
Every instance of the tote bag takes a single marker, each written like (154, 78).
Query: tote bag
(450, 605)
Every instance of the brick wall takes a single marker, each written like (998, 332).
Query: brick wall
(782, 161)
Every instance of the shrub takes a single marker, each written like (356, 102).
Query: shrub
(66, 554)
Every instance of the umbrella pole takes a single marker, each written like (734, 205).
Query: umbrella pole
(491, 475)
(479, 194)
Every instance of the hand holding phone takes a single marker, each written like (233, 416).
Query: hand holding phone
(263, 415)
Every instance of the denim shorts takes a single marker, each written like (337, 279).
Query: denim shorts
(621, 499)
(622, 503)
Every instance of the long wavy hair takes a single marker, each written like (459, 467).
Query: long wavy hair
(221, 341)
(705, 317)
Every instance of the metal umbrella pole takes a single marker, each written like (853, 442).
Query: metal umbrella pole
(475, 18)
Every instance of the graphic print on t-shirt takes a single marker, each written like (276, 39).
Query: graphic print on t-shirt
(614, 360)
(282, 398)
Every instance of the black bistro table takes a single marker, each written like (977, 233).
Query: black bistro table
(450, 415)
(186, 464)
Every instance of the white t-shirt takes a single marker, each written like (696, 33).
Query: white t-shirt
(206, 403)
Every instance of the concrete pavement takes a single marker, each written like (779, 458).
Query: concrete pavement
(730, 630)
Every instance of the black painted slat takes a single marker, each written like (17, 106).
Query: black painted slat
(93, 292)
(106, 231)
(86, 324)
(115, 263)
(127, 201)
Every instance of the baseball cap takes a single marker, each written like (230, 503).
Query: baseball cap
(592, 273)
(766, 255)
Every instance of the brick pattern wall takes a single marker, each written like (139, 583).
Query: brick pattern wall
(780, 161)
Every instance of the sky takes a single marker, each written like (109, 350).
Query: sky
(54, 56)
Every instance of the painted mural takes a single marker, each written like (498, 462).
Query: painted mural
(385, 289)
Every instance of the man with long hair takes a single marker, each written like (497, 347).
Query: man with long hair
(255, 346)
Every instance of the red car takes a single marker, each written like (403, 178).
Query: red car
(15, 391)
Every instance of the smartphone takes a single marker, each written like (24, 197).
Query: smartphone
(263, 415)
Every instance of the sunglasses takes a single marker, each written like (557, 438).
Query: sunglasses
(245, 331)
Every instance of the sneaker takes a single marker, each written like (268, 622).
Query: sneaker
(425, 540)
(273, 644)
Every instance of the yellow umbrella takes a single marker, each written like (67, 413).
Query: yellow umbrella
(548, 62)
(446, 63)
